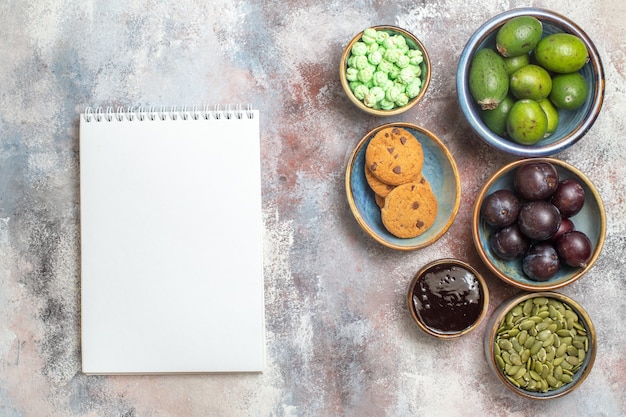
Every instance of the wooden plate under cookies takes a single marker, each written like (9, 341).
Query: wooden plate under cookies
(439, 169)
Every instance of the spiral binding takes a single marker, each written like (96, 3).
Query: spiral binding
(120, 114)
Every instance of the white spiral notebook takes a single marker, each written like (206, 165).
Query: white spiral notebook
(171, 238)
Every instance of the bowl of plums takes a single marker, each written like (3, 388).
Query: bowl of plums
(539, 224)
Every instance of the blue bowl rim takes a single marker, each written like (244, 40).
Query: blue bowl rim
(471, 113)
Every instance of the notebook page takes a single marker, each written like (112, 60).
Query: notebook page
(171, 233)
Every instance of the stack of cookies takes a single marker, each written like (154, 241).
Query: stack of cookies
(393, 169)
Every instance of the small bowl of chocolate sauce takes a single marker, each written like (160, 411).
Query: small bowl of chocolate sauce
(448, 298)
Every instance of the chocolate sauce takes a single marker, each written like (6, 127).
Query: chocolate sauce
(448, 298)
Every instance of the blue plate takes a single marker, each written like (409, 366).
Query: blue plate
(573, 125)
(439, 169)
(591, 220)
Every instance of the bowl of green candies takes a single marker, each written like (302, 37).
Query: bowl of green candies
(385, 70)
(540, 345)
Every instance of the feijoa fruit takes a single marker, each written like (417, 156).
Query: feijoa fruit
(531, 81)
(488, 80)
(518, 35)
(561, 52)
(527, 123)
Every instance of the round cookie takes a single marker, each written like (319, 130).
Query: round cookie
(394, 156)
(380, 201)
(410, 209)
(380, 188)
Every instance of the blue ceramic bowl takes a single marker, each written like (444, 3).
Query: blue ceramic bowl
(573, 125)
(439, 169)
(498, 318)
(591, 220)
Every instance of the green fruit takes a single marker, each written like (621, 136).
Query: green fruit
(488, 80)
(513, 63)
(527, 123)
(562, 53)
(551, 113)
(495, 119)
(569, 91)
(531, 81)
(518, 36)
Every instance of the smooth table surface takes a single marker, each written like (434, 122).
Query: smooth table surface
(340, 341)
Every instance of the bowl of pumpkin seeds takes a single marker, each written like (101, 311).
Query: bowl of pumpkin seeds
(540, 345)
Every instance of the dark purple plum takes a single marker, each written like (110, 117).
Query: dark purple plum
(500, 208)
(569, 197)
(536, 180)
(567, 225)
(574, 248)
(539, 220)
(509, 242)
(541, 262)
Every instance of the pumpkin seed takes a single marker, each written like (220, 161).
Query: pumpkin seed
(528, 307)
(505, 344)
(539, 367)
(513, 381)
(563, 333)
(551, 380)
(571, 315)
(543, 335)
(558, 372)
(500, 362)
(520, 373)
(549, 341)
(522, 336)
(538, 345)
(513, 370)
